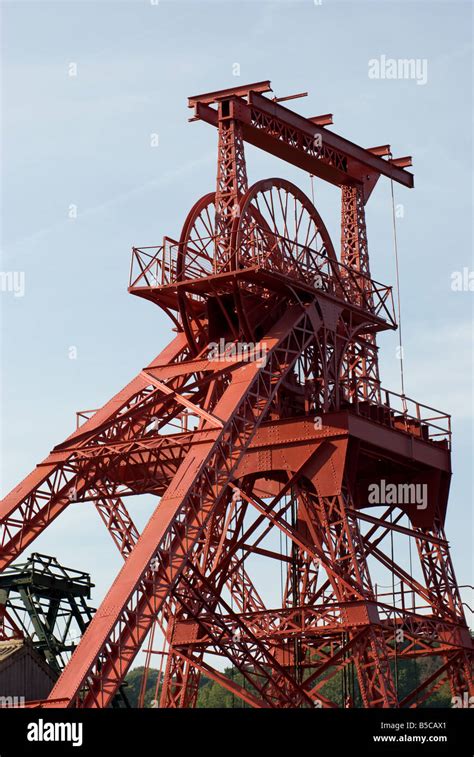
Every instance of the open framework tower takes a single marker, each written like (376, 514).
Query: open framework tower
(263, 431)
(49, 605)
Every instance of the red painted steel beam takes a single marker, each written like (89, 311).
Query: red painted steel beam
(359, 158)
(323, 120)
(137, 595)
(360, 162)
(31, 506)
(222, 94)
(248, 460)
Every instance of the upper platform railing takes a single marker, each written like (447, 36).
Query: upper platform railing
(157, 266)
(397, 411)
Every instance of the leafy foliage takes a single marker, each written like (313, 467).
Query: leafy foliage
(407, 673)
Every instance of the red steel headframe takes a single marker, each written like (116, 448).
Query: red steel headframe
(263, 421)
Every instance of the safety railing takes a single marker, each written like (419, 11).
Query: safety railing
(154, 267)
(301, 262)
(398, 411)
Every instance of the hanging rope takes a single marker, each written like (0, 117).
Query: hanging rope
(411, 565)
(234, 530)
(281, 574)
(146, 669)
(392, 556)
(311, 177)
(159, 679)
(397, 272)
(415, 667)
(242, 557)
(281, 566)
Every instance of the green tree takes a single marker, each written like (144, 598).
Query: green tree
(406, 673)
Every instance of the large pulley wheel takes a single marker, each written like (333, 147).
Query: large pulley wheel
(276, 227)
(279, 228)
(195, 261)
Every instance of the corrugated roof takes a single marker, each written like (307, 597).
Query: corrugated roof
(9, 647)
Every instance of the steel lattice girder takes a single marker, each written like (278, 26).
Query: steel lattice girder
(256, 449)
(193, 492)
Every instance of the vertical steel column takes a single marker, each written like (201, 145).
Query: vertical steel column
(231, 182)
(438, 571)
(361, 371)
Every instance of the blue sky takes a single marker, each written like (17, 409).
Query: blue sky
(85, 141)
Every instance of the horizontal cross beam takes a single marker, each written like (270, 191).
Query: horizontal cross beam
(304, 142)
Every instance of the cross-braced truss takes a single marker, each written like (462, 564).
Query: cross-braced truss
(261, 431)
